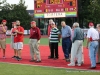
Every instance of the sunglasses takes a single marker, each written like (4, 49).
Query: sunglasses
(17, 25)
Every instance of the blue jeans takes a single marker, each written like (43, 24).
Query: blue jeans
(93, 48)
(66, 43)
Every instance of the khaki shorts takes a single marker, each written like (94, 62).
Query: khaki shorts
(18, 45)
(3, 43)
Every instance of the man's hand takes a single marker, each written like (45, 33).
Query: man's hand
(16, 31)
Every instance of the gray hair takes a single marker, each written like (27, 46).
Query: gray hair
(98, 25)
(76, 24)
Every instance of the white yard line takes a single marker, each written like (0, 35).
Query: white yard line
(83, 70)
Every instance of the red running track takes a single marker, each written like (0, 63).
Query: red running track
(44, 50)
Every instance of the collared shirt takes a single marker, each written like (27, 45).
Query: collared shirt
(66, 31)
(2, 34)
(54, 35)
(19, 37)
(93, 33)
(35, 33)
(78, 34)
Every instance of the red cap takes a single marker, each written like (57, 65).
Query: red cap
(13, 22)
(33, 22)
(91, 24)
(4, 21)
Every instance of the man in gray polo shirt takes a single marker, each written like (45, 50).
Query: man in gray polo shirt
(66, 39)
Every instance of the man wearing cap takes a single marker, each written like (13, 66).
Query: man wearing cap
(66, 40)
(34, 42)
(12, 38)
(3, 29)
(18, 40)
(54, 40)
(92, 43)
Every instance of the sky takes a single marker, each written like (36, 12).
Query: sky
(28, 3)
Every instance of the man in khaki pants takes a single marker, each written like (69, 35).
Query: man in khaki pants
(3, 29)
(98, 28)
(34, 42)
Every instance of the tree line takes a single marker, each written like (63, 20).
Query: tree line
(88, 11)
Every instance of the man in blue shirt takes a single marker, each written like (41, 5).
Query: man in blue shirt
(66, 39)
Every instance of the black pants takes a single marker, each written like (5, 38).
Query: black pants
(50, 47)
(54, 50)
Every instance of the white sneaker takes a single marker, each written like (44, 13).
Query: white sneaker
(71, 64)
(78, 64)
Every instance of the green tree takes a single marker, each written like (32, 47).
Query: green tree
(15, 12)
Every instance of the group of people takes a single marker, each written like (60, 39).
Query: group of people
(72, 42)
(17, 38)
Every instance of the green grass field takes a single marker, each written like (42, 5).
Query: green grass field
(44, 41)
(17, 69)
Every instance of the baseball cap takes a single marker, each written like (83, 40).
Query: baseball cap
(4, 21)
(91, 24)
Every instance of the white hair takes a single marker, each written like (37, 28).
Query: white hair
(76, 24)
(50, 21)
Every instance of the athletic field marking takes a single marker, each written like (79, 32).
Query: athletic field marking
(52, 67)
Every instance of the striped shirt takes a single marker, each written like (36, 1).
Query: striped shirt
(54, 35)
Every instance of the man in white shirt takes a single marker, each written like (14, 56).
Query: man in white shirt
(92, 41)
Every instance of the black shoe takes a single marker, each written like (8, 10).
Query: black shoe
(14, 57)
(67, 60)
(98, 63)
(18, 58)
(50, 57)
(92, 67)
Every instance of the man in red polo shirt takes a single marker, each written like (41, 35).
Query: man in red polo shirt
(34, 42)
(18, 40)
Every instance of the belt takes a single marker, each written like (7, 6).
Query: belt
(66, 37)
(2, 38)
(95, 40)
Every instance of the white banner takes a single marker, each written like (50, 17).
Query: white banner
(54, 15)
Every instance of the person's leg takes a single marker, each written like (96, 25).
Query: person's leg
(63, 47)
(3, 45)
(67, 45)
(79, 53)
(98, 52)
(56, 50)
(31, 50)
(74, 49)
(52, 50)
(20, 47)
(92, 50)
(36, 50)
(49, 48)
